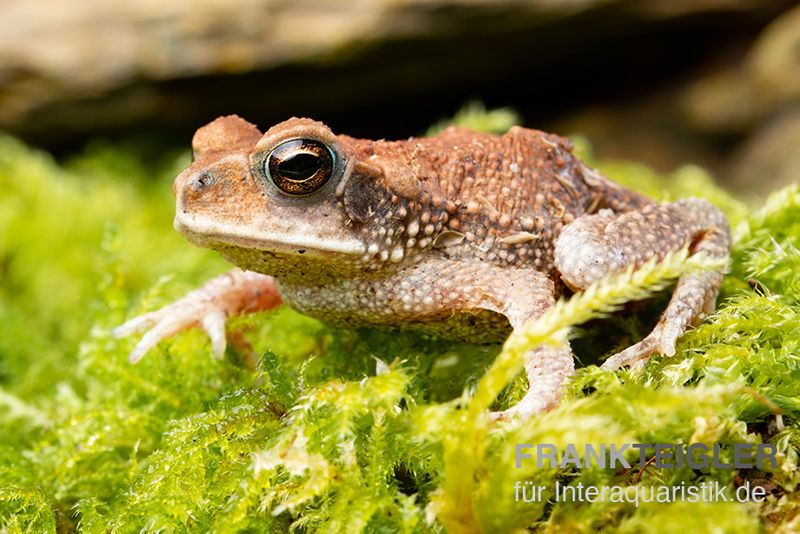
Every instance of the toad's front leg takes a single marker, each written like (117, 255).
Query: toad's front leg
(233, 293)
(596, 245)
(442, 288)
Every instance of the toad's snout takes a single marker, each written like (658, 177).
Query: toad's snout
(211, 187)
(223, 192)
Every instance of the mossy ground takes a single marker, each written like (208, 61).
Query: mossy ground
(345, 431)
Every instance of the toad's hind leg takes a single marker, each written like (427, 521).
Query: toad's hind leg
(596, 245)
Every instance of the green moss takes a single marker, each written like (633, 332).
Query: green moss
(341, 430)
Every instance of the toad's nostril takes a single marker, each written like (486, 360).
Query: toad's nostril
(201, 181)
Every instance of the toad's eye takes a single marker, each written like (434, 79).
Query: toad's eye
(299, 166)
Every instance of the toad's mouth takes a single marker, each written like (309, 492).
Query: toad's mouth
(205, 232)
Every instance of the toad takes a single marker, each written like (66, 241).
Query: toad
(464, 235)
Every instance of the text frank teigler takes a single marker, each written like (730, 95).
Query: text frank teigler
(697, 456)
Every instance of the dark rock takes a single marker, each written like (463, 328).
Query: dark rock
(72, 70)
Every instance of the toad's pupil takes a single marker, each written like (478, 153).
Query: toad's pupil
(299, 167)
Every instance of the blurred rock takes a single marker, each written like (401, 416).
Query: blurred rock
(72, 69)
(736, 99)
(770, 158)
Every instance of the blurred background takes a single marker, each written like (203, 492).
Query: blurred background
(665, 82)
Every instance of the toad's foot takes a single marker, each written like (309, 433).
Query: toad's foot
(548, 369)
(233, 293)
(694, 298)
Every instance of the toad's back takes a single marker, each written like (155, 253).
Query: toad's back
(509, 195)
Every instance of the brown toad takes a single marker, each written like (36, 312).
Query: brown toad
(464, 235)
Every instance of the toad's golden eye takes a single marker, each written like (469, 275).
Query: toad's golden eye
(299, 166)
